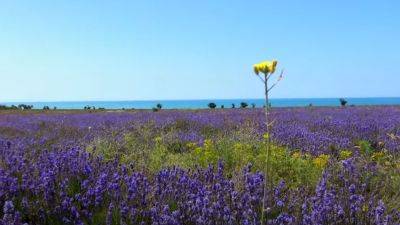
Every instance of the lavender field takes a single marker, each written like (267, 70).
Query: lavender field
(328, 166)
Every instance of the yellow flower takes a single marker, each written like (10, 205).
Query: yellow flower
(296, 155)
(345, 154)
(321, 160)
(377, 156)
(191, 145)
(237, 146)
(208, 143)
(256, 69)
(266, 136)
(198, 150)
(265, 67)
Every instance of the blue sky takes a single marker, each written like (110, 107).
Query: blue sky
(140, 50)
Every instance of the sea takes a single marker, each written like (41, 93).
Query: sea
(201, 104)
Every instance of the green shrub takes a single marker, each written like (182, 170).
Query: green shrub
(343, 102)
(243, 105)
(211, 105)
(150, 154)
(365, 147)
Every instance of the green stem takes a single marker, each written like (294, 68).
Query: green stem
(266, 171)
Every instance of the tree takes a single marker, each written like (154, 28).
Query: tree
(25, 107)
(253, 105)
(5, 107)
(243, 105)
(46, 107)
(159, 106)
(233, 105)
(264, 71)
(343, 102)
(222, 106)
(212, 105)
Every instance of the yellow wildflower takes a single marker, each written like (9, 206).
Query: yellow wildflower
(377, 156)
(198, 150)
(191, 145)
(321, 160)
(296, 155)
(237, 146)
(345, 154)
(265, 67)
(208, 143)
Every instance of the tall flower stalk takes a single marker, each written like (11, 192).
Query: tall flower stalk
(264, 71)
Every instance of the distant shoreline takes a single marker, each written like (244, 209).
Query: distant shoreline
(202, 104)
(67, 111)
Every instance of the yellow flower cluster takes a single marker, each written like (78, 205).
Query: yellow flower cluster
(345, 154)
(321, 160)
(208, 143)
(158, 139)
(376, 156)
(296, 155)
(191, 145)
(265, 67)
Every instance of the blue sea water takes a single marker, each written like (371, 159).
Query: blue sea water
(198, 104)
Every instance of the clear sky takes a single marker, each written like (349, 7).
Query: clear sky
(141, 50)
